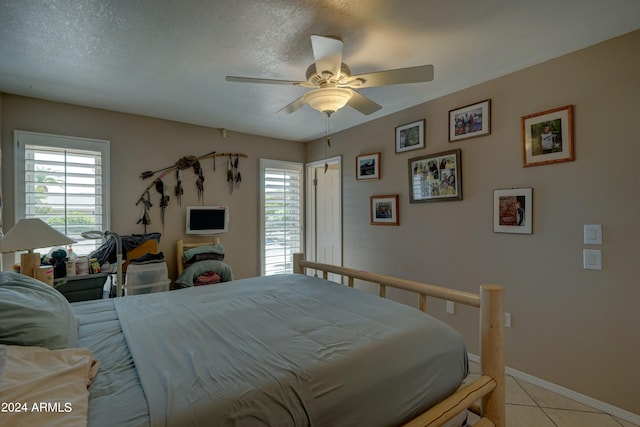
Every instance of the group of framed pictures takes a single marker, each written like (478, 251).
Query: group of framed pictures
(547, 137)
(512, 210)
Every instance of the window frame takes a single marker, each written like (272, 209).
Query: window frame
(283, 165)
(23, 138)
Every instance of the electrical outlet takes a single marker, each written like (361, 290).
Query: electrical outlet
(507, 320)
(451, 307)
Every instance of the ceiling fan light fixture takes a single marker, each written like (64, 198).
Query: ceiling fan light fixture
(328, 100)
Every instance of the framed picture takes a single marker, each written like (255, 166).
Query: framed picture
(368, 166)
(436, 177)
(410, 136)
(384, 210)
(470, 121)
(513, 210)
(547, 137)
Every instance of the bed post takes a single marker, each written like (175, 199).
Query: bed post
(492, 351)
(297, 268)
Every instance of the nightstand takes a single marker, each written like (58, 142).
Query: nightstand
(83, 287)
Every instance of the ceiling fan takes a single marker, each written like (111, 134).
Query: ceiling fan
(332, 83)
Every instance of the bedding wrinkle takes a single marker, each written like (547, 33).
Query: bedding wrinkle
(116, 396)
(285, 350)
(239, 353)
(34, 376)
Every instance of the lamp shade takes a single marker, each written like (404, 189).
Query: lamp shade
(32, 233)
(328, 100)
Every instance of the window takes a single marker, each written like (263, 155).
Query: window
(281, 212)
(65, 182)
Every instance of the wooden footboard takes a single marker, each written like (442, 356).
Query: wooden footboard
(489, 389)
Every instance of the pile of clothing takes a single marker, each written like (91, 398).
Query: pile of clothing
(205, 266)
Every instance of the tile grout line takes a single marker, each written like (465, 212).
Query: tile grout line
(544, 408)
(595, 404)
(534, 400)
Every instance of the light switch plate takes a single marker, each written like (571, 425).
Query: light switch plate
(451, 307)
(592, 259)
(592, 234)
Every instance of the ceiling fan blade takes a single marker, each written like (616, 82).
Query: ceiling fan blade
(363, 104)
(265, 81)
(421, 73)
(327, 52)
(293, 106)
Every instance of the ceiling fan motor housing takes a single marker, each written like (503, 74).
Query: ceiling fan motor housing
(317, 79)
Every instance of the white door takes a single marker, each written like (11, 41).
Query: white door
(324, 212)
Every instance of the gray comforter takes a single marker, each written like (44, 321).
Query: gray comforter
(287, 350)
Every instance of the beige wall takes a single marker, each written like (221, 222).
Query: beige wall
(141, 143)
(575, 328)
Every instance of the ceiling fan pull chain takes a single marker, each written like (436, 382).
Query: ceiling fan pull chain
(328, 129)
(328, 132)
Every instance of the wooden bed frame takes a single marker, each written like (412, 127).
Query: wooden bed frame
(490, 387)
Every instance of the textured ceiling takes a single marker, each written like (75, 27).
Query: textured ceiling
(169, 59)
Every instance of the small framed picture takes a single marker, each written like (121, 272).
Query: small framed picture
(436, 177)
(368, 166)
(547, 137)
(410, 136)
(470, 121)
(513, 210)
(384, 210)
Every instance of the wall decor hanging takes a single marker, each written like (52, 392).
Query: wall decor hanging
(513, 211)
(368, 166)
(436, 177)
(384, 210)
(470, 121)
(184, 163)
(547, 137)
(410, 136)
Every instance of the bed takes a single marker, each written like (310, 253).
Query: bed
(279, 350)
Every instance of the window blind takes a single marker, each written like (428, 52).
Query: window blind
(282, 215)
(64, 186)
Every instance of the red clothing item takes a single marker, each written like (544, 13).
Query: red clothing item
(207, 278)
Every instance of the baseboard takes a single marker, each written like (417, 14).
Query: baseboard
(573, 395)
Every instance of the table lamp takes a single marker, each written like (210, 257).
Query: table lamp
(29, 234)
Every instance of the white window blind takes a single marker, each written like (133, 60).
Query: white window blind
(64, 182)
(281, 209)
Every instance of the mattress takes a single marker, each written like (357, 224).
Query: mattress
(277, 350)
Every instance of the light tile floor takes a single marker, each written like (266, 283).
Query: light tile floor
(531, 406)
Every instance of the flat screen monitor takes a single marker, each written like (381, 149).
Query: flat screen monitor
(206, 220)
